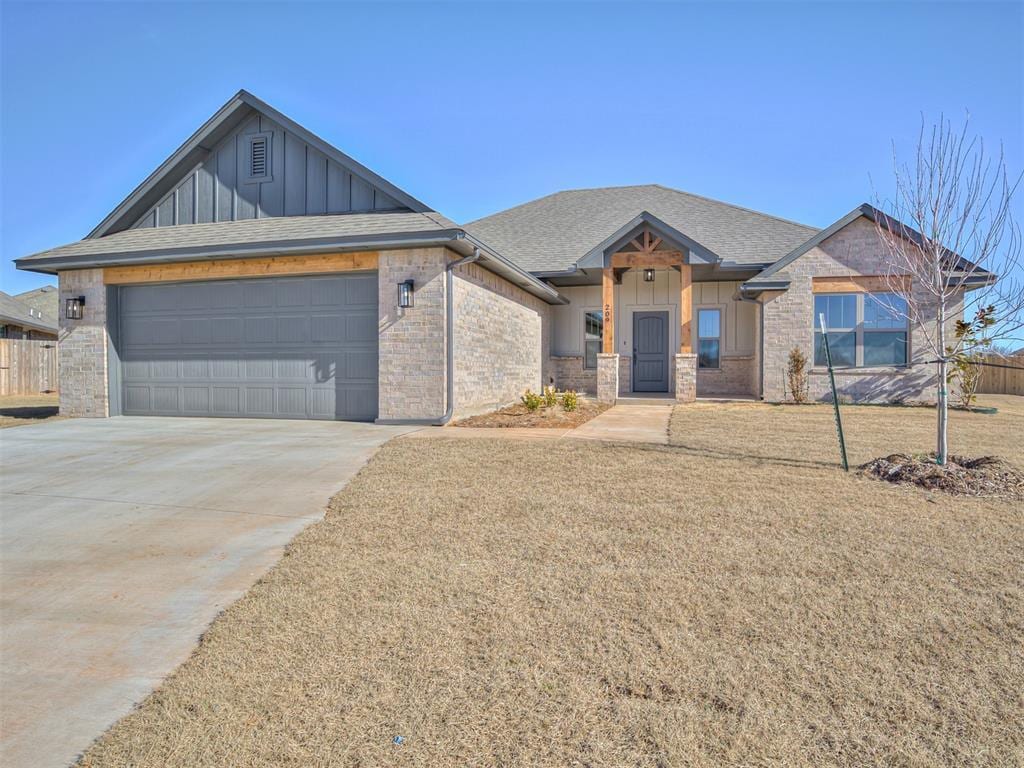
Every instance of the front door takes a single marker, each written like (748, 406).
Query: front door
(650, 351)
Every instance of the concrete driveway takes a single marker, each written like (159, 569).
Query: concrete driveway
(120, 541)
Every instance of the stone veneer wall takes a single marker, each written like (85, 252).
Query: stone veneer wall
(501, 340)
(82, 346)
(686, 384)
(608, 377)
(569, 373)
(412, 342)
(734, 377)
(854, 250)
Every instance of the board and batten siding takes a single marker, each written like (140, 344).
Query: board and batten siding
(302, 181)
(739, 319)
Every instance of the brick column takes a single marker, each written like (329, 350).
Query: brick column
(686, 377)
(412, 364)
(607, 377)
(82, 345)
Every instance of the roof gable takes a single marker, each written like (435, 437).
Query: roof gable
(598, 255)
(200, 182)
(770, 278)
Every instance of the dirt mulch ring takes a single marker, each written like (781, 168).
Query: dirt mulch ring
(961, 476)
(519, 415)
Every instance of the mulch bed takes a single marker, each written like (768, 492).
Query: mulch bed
(961, 476)
(519, 415)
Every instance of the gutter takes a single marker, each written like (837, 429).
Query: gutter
(450, 349)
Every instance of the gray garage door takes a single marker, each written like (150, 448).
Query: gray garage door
(289, 348)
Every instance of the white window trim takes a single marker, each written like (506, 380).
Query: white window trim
(858, 332)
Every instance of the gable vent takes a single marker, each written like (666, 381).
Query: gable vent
(259, 157)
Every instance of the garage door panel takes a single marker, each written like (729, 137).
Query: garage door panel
(293, 330)
(227, 330)
(259, 293)
(259, 401)
(274, 352)
(260, 330)
(196, 330)
(294, 293)
(195, 400)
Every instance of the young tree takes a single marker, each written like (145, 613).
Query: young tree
(953, 248)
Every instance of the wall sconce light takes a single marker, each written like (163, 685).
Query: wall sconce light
(73, 307)
(405, 294)
(648, 275)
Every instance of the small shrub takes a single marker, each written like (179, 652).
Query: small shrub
(796, 375)
(550, 397)
(965, 375)
(532, 400)
(570, 400)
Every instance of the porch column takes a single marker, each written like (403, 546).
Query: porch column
(608, 302)
(608, 361)
(685, 309)
(686, 360)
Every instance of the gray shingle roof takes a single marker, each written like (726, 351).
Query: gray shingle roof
(254, 234)
(15, 312)
(44, 299)
(552, 233)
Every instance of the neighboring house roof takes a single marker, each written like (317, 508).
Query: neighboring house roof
(15, 312)
(769, 278)
(44, 300)
(198, 146)
(553, 233)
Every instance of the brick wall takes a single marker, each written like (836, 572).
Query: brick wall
(734, 377)
(82, 346)
(501, 346)
(854, 250)
(568, 373)
(412, 341)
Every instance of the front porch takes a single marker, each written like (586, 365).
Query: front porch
(651, 317)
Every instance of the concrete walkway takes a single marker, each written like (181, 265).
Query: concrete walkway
(632, 422)
(122, 539)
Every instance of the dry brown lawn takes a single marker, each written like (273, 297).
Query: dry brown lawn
(733, 599)
(18, 410)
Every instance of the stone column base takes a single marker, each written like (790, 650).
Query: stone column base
(607, 377)
(686, 377)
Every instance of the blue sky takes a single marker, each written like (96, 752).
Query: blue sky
(788, 108)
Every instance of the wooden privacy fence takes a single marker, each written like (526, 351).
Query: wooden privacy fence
(27, 367)
(1002, 376)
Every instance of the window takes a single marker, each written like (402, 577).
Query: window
(709, 338)
(259, 158)
(864, 329)
(593, 329)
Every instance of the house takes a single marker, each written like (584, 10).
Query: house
(29, 315)
(261, 272)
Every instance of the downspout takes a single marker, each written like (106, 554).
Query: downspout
(450, 348)
(760, 341)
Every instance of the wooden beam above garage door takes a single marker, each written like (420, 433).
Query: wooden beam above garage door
(321, 263)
